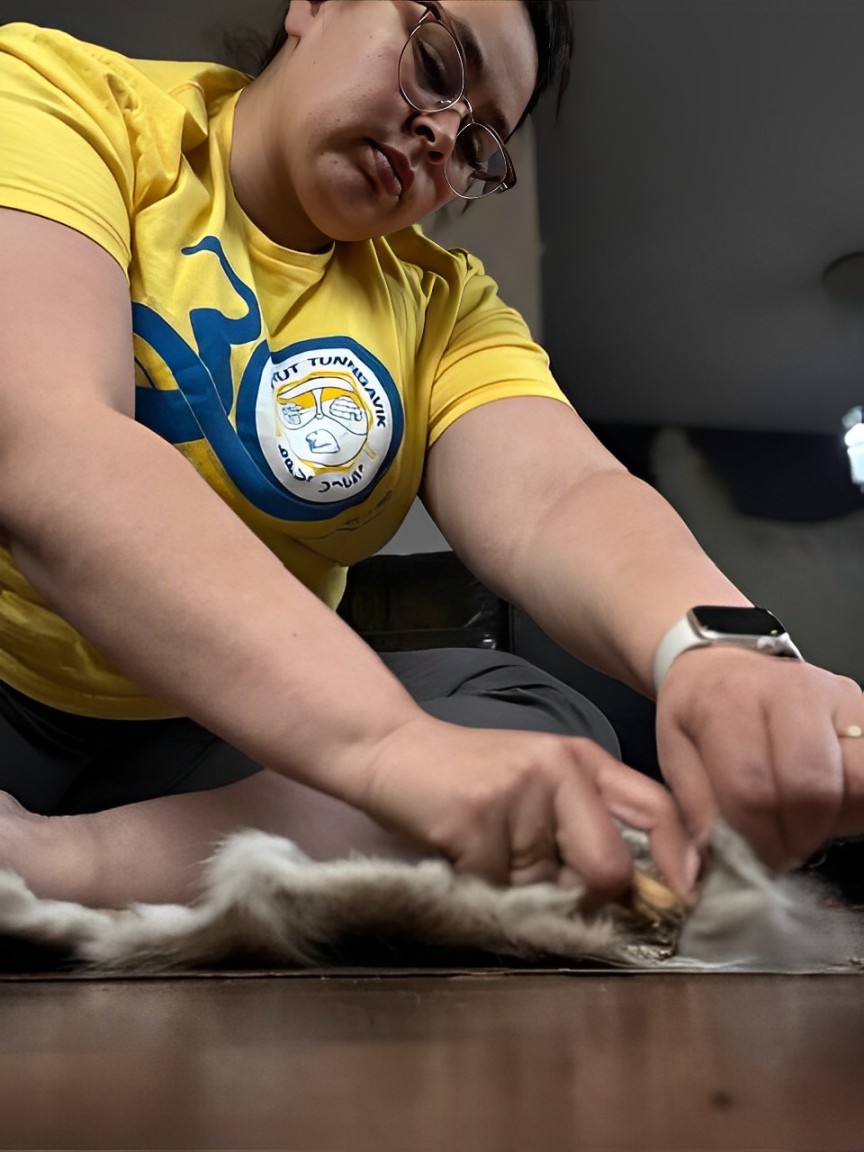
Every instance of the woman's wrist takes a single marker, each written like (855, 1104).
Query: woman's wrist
(707, 626)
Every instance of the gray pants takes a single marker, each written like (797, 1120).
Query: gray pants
(55, 763)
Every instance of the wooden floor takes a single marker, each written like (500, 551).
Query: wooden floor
(444, 1062)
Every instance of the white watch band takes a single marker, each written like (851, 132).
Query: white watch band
(684, 635)
(680, 637)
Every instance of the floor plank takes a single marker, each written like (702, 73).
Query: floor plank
(426, 1062)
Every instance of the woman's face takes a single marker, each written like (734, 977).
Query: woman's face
(353, 158)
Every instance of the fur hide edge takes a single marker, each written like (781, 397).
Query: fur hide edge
(266, 901)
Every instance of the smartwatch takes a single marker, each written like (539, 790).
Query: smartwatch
(710, 625)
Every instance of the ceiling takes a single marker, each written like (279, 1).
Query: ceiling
(708, 166)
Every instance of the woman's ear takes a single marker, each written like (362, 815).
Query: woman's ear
(300, 15)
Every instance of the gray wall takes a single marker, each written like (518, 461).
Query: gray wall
(169, 29)
(707, 171)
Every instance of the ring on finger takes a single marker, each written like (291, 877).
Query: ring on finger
(542, 853)
(520, 861)
(851, 732)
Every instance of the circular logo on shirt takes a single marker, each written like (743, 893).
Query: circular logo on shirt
(328, 419)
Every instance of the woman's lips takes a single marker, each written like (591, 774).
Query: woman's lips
(392, 169)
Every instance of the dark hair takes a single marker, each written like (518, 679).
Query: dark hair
(553, 35)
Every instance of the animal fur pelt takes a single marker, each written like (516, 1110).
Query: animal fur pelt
(267, 904)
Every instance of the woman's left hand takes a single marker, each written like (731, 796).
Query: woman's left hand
(759, 739)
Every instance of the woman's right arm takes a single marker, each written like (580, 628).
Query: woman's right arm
(127, 542)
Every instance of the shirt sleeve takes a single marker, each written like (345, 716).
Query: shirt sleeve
(490, 355)
(64, 148)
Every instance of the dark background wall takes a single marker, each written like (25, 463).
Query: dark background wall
(171, 29)
(707, 171)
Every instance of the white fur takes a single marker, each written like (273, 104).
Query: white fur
(750, 920)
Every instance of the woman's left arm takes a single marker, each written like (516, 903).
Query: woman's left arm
(544, 515)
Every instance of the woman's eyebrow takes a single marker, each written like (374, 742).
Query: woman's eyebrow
(478, 67)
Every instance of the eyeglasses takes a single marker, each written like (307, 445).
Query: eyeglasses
(432, 79)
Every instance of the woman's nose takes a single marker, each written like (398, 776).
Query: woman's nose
(439, 131)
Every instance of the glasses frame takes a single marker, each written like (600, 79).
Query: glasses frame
(436, 12)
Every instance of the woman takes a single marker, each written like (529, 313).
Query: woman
(297, 363)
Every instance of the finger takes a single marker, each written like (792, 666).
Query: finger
(589, 842)
(714, 751)
(776, 777)
(850, 821)
(485, 851)
(733, 771)
(849, 732)
(648, 806)
(807, 759)
(768, 757)
(533, 848)
(807, 763)
(544, 871)
(685, 774)
(749, 798)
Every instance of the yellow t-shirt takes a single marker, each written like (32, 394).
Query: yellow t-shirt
(306, 389)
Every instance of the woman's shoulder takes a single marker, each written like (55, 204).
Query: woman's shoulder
(81, 67)
(417, 251)
(56, 54)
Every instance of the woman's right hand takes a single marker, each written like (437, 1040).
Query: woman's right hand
(519, 807)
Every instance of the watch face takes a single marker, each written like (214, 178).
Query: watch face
(737, 621)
